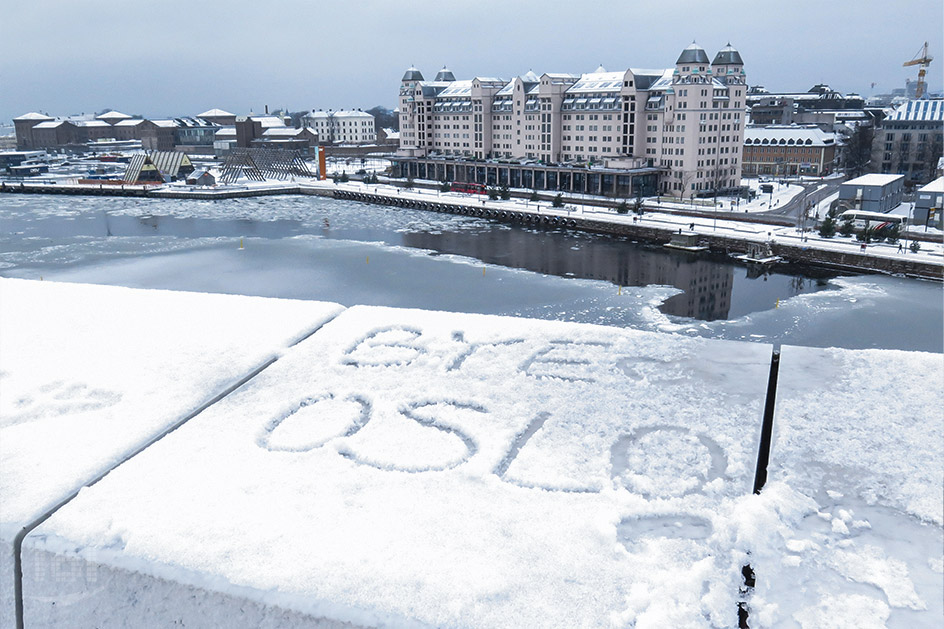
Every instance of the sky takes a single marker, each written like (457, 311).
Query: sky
(174, 58)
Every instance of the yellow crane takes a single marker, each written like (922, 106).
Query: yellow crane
(921, 59)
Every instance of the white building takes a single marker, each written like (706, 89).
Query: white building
(343, 126)
(687, 120)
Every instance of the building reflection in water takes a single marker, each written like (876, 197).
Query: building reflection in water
(707, 284)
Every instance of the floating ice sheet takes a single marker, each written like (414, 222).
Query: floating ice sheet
(854, 505)
(90, 373)
(411, 467)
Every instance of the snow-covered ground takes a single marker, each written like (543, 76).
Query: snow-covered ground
(415, 468)
(90, 373)
(932, 252)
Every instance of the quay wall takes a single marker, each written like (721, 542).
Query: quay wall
(851, 261)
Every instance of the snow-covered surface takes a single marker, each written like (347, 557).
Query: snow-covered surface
(853, 513)
(415, 467)
(89, 373)
(931, 252)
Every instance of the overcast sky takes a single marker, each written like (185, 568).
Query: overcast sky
(173, 58)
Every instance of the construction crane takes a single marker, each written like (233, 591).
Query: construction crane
(921, 59)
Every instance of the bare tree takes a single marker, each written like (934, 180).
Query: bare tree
(857, 152)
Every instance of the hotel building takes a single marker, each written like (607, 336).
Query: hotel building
(685, 123)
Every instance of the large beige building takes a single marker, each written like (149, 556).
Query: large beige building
(688, 120)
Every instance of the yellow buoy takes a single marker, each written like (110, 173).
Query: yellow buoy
(240, 243)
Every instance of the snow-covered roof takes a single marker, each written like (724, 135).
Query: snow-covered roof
(935, 186)
(129, 123)
(810, 135)
(456, 89)
(113, 115)
(874, 179)
(268, 121)
(167, 124)
(90, 123)
(50, 124)
(922, 110)
(225, 132)
(214, 113)
(598, 82)
(286, 132)
(33, 116)
(350, 113)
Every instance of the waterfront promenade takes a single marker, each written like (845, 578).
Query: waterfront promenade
(721, 231)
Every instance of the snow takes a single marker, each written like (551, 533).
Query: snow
(414, 468)
(90, 373)
(857, 449)
(433, 469)
(930, 252)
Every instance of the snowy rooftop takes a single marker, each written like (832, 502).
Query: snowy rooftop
(413, 468)
(788, 134)
(33, 116)
(113, 115)
(918, 110)
(598, 82)
(874, 179)
(50, 124)
(457, 88)
(935, 186)
(214, 113)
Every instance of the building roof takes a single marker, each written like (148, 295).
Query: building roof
(50, 124)
(788, 135)
(289, 132)
(874, 180)
(129, 123)
(268, 121)
(935, 186)
(693, 53)
(350, 113)
(225, 132)
(445, 75)
(33, 116)
(113, 115)
(456, 89)
(90, 123)
(727, 56)
(598, 82)
(412, 74)
(167, 124)
(922, 110)
(214, 113)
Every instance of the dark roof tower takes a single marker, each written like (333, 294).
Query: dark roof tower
(443, 75)
(412, 74)
(728, 56)
(693, 54)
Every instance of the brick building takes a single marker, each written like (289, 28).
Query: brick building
(782, 150)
